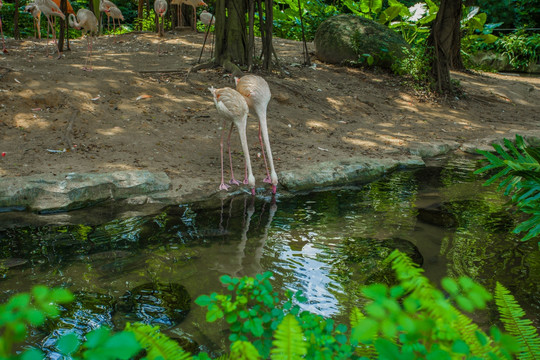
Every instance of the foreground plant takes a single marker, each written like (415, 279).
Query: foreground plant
(519, 174)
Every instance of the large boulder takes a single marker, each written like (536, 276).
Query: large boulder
(345, 38)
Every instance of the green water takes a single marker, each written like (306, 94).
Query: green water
(326, 243)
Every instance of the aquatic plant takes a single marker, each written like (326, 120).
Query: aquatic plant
(410, 320)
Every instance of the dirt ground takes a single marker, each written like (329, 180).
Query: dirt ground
(136, 110)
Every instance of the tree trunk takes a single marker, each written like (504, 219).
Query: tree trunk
(140, 14)
(444, 42)
(16, 33)
(231, 36)
(63, 25)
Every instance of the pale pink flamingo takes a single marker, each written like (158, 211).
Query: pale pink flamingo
(105, 6)
(115, 13)
(194, 4)
(160, 8)
(257, 94)
(49, 8)
(207, 19)
(33, 9)
(88, 23)
(4, 50)
(232, 106)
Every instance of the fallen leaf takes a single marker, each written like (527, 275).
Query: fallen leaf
(143, 97)
(96, 98)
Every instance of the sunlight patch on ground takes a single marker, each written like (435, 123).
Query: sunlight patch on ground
(27, 121)
(336, 104)
(110, 132)
(386, 125)
(314, 124)
(358, 142)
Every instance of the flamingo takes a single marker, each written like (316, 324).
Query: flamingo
(160, 7)
(49, 8)
(33, 9)
(194, 4)
(257, 94)
(88, 23)
(207, 19)
(115, 13)
(4, 50)
(105, 6)
(232, 106)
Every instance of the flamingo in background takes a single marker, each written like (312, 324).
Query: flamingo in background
(194, 4)
(257, 94)
(4, 50)
(105, 6)
(115, 13)
(160, 7)
(88, 23)
(33, 9)
(49, 9)
(232, 106)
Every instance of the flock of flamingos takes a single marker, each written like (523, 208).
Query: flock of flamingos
(252, 91)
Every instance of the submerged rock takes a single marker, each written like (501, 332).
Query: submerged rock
(156, 304)
(438, 215)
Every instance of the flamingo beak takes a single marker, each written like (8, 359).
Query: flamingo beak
(274, 189)
(253, 191)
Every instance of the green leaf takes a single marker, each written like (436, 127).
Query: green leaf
(97, 337)
(68, 344)
(122, 346)
(157, 345)
(61, 296)
(203, 300)
(288, 340)
(243, 350)
(33, 354)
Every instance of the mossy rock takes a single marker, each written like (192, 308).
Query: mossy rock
(160, 304)
(345, 38)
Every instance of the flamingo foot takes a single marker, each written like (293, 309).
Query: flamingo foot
(234, 182)
(223, 186)
(267, 180)
(87, 69)
(274, 189)
(245, 182)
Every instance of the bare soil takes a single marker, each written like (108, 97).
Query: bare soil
(138, 110)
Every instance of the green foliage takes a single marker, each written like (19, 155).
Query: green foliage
(415, 66)
(519, 172)
(25, 310)
(520, 48)
(157, 345)
(288, 340)
(522, 329)
(100, 344)
(287, 17)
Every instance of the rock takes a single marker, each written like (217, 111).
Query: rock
(532, 137)
(431, 149)
(359, 170)
(437, 215)
(46, 192)
(347, 37)
(156, 304)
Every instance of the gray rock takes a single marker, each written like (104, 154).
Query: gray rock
(431, 149)
(46, 192)
(532, 137)
(347, 37)
(359, 170)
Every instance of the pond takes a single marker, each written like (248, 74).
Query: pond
(326, 243)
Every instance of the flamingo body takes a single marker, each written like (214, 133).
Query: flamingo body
(50, 9)
(257, 94)
(88, 23)
(115, 13)
(33, 9)
(232, 106)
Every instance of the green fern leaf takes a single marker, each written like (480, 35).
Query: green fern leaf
(243, 350)
(288, 340)
(157, 345)
(356, 316)
(521, 329)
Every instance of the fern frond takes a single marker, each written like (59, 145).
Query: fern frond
(356, 316)
(243, 350)
(157, 345)
(288, 340)
(521, 329)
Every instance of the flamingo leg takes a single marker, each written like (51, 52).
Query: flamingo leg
(267, 179)
(222, 186)
(241, 125)
(233, 180)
